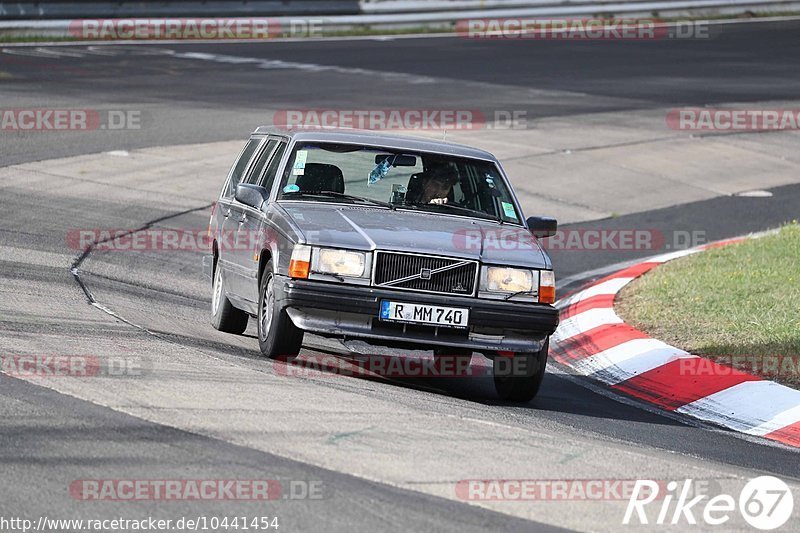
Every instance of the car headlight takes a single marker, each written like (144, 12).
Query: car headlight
(518, 283)
(338, 262)
(500, 279)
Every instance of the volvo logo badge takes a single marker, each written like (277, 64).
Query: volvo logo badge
(425, 273)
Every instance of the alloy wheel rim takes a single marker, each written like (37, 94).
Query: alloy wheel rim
(217, 292)
(267, 306)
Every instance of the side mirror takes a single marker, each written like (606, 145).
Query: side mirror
(252, 195)
(542, 227)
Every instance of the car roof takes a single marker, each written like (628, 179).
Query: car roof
(371, 138)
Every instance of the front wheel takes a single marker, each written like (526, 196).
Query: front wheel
(518, 378)
(278, 337)
(224, 316)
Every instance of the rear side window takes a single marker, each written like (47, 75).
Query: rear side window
(261, 162)
(241, 165)
(269, 176)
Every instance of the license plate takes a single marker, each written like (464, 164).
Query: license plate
(454, 317)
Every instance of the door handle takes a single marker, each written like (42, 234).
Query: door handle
(227, 213)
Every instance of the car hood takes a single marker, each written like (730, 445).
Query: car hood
(369, 228)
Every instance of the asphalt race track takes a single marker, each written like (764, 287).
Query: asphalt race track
(387, 453)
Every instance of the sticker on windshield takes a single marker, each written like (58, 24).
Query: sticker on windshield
(291, 188)
(300, 163)
(508, 210)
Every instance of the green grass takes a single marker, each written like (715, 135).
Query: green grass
(363, 31)
(436, 28)
(9, 38)
(738, 300)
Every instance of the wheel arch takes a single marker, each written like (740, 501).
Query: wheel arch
(263, 258)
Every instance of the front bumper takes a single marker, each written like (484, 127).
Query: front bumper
(351, 312)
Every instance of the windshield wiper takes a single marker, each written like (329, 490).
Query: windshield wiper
(336, 194)
(481, 214)
(520, 293)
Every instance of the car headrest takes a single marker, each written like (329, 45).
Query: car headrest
(321, 177)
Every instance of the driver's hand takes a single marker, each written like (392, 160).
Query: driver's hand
(438, 201)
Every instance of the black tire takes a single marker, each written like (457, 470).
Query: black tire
(453, 360)
(278, 337)
(518, 378)
(224, 316)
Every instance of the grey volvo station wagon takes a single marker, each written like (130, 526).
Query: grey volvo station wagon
(391, 240)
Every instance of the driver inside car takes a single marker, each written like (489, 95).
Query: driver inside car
(434, 186)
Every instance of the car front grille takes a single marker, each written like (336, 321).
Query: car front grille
(425, 273)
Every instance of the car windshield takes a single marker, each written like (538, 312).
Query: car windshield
(328, 172)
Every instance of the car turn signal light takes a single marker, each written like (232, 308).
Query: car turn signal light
(300, 264)
(547, 287)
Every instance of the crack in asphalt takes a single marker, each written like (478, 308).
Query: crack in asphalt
(75, 267)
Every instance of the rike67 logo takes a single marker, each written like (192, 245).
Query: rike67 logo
(765, 503)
